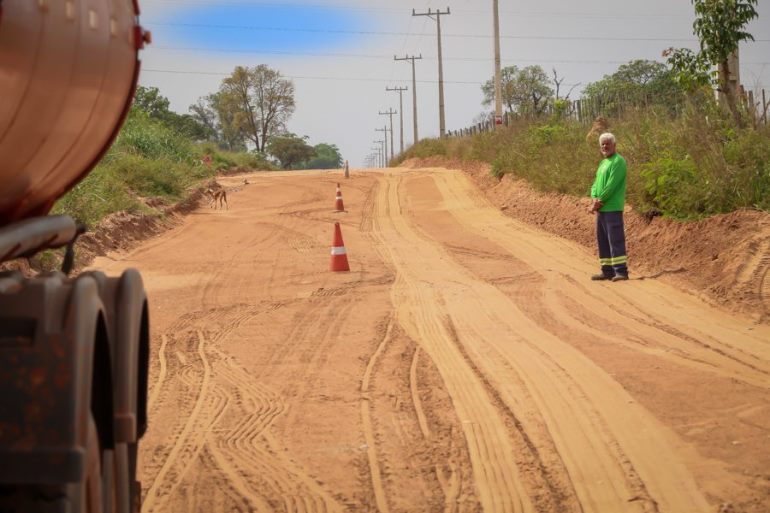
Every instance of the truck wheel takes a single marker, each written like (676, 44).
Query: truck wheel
(83, 497)
(90, 493)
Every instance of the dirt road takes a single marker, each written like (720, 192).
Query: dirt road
(466, 363)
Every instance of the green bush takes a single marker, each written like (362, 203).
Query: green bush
(688, 164)
(152, 139)
(674, 186)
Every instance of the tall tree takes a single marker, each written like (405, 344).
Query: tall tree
(525, 91)
(151, 101)
(327, 156)
(635, 83)
(290, 150)
(258, 101)
(719, 25)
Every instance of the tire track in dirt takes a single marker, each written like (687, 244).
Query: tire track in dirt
(156, 491)
(366, 416)
(451, 484)
(255, 453)
(497, 475)
(559, 383)
(629, 453)
(714, 349)
(245, 456)
(158, 385)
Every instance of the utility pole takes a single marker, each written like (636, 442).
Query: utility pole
(498, 73)
(379, 151)
(438, 14)
(376, 155)
(385, 148)
(400, 109)
(414, 90)
(390, 113)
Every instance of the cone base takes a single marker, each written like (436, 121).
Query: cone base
(339, 263)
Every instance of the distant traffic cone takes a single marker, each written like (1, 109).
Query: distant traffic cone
(339, 260)
(338, 206)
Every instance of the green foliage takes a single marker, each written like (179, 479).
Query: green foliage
(423, 149)
(152, 139)
(149, 159)
(326, 156)
(290, 150)
(149, 101)
(719, 25)
(255, 104)
(524, 91)
(637, 83)
(673, 185)
(101, 193)
(696, 164)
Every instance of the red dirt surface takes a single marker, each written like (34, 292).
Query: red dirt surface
(465, 363)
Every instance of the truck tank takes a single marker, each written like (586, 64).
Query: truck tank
(74, 351)
(68, 72)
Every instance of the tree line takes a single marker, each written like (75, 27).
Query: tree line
(530, 93)
(249, 113)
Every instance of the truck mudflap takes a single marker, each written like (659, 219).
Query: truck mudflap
(54, 349)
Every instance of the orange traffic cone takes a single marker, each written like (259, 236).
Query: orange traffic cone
(338, 206)
(339, 260)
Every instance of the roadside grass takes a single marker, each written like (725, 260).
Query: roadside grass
(149, 163)
(690, 166)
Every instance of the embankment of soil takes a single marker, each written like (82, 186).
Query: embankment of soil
(724, 259)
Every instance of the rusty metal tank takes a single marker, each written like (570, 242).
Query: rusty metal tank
(68, 72)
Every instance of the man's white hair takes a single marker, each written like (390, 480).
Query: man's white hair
(605, 136)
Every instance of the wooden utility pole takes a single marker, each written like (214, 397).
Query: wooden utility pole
(390, 113)
(386, 141)
(383, 151)
(378, 154)
(414, 91)
(400, 109)
(498, 73)
(438, 14)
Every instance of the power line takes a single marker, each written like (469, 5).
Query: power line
(511, 60)
(299, 77)
(384, 33)
(560, 14)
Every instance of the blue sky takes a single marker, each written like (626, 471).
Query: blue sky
(258, 27)
(339, 53)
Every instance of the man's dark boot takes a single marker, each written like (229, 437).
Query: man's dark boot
(600, 277)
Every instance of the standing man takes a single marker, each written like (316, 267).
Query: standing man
(609, 197)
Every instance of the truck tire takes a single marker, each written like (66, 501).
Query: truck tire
(83, 497)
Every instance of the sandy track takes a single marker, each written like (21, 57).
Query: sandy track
(464, 364)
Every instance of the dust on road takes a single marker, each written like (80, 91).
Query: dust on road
(464, 364)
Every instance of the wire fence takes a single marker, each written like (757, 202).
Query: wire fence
(586, 110)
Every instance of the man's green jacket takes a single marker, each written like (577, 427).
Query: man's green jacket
(610, 184)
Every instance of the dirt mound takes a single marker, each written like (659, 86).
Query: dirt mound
(724, 259)
(122, 230)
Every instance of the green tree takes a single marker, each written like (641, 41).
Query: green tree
(327, 156)
(256, 102)
(638, 82)
(524, 91)
(290, 150)
(151, 101)
(210, 112)
(719, 25)
(156, 106)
